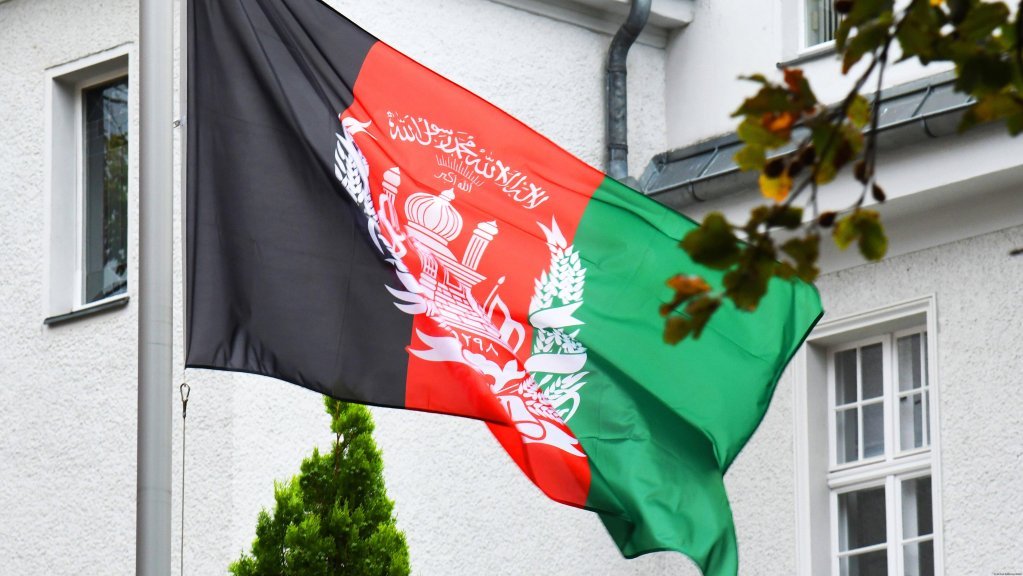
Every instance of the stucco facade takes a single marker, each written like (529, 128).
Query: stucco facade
(68, 392)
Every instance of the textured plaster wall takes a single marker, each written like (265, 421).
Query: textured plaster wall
(980, 331)
(67, 393)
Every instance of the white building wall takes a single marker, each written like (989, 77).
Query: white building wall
(977, 287)
(733, 38)
(68, 395)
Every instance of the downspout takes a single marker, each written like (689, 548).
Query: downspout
(616, 102)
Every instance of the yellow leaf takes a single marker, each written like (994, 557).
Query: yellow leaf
(936, 3)
(780, 124)
(776, 189)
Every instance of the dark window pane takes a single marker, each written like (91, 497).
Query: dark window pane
(869, 564)
(872, 368)
(916, 507)
(919, 558)
(106, 190)
(821, 22)
(873, 430)
(847, 439)
(910, 362)
(912, 421)
(861, 518)
(845, 377)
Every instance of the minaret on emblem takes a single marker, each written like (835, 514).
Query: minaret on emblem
(481, 237)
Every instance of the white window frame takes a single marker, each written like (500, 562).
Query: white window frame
(818, 478)
(885, 342)
(804, 46)
(64, 178)
(794, 41)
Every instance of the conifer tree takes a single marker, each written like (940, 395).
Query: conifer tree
(333, 518)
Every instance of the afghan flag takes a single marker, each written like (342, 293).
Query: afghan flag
(360, 226)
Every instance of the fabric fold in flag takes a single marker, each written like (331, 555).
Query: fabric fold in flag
(362, 227)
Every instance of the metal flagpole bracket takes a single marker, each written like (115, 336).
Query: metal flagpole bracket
(184, 390)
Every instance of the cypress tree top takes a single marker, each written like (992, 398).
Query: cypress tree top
(334, 517)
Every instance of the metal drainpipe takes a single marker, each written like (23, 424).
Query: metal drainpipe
(616, 102)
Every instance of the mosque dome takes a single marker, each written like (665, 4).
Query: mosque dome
(434, 214)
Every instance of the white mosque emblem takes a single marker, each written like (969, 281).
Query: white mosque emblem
(484, 337)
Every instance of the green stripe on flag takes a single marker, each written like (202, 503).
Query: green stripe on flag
(662, 423)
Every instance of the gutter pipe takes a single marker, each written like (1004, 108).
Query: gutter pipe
(616, 102)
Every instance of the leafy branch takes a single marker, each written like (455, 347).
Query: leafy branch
(781, 239)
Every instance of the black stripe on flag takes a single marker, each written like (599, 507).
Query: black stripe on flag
(282, 278)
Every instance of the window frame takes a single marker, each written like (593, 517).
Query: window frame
(804, 46)
(818, 479)
(833, 407)
(80, 88)
(64, 187)
(925, 390)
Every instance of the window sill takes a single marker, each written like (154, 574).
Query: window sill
(105, 306)
(810, 54)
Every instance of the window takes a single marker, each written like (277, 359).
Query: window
(88, 158)
(879, 470)
(866, 437)
(104, 203)
(821, 21)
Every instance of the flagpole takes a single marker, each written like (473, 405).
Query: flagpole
(155, 389)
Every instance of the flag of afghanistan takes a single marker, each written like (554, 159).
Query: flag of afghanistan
(363, 227)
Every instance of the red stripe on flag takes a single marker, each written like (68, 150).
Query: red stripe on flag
(465, 193)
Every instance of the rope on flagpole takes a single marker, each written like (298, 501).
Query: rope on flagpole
(184, 390)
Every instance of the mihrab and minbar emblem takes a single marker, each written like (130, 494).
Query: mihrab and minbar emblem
(539, 398)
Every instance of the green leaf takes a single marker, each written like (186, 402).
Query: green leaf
(746, 284)
(845, 232)
(994, 107)
(799, 87)
(865, 227)
(867, 10)
(785, 271)
(982, 19)
(753, 132)
(788, 217)
(751, 157)
(770, 99)
(713, 244)
(867, 39)
(957, 9)
(842, 34)
(920, 28)
(859, 111)
(873, 242)
(853, 136)
(1015, 124)
(758, 78)
(983, 73)
(833, 150)
(805, 253)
